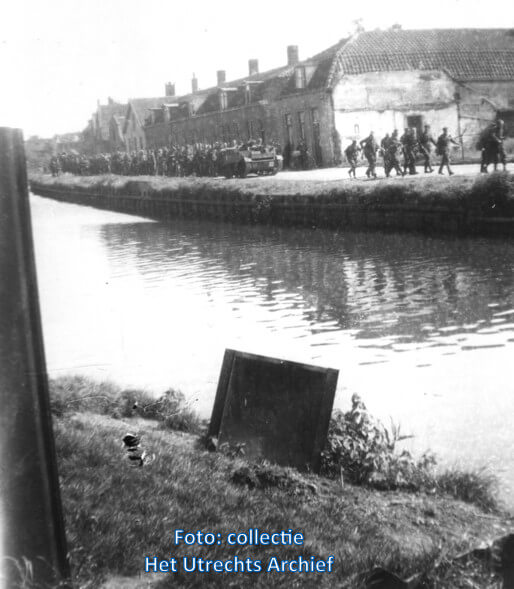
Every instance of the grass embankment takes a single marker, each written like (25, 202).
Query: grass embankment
(117, 514)
(490, 195)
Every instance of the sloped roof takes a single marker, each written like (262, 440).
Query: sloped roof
(105, 112)
(465, 54)
(118, 122)
(280, 81)
(323, 63)
(141, 105)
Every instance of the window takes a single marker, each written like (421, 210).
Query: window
(315, 115)
(288, 119)
(225, 133)
(236, 133)
(300, 80)
(301, 125)
(248, 94)
(250, 129)
(262, 133)
(223, 100)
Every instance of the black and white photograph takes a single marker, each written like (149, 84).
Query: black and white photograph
(257, 294)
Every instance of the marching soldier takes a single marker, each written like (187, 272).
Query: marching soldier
(370, 148)
(384, 148)
(444, 142)
(393, 151)
(352, 155)
(425, 142)
(409, 142)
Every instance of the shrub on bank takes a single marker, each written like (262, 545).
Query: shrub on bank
(80, 394)
(362, 451)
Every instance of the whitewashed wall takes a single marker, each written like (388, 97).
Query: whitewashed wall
(382, 101)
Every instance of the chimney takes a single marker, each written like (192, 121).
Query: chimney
(194, 84)
(253, 67)
(221, 76)
(169, 89)
(292, 55)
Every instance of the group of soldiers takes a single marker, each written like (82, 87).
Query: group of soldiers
(400, 153)
(199, 159)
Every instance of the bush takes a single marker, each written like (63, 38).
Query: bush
(479, 487)
(362, 451)
(79, 393)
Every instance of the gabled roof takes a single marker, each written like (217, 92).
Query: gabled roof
(141, 105)
(465, 54)
(104, 113)
(117, 121)
(323, 64)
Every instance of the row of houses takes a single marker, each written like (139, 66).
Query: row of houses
(376, 80)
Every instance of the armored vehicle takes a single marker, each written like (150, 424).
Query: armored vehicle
(242, 161)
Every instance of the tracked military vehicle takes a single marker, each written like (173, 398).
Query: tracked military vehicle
(241, 161)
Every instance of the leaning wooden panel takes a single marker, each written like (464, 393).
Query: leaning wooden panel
(279, 410)
(31, 521)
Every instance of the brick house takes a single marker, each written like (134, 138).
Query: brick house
(139, 113)
(285, 105)
(96, 136)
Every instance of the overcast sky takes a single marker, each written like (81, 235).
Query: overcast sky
(57, 57)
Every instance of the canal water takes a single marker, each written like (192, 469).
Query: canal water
(421, 327)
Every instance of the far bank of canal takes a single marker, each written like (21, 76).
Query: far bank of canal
(459, 205)
(422, 327)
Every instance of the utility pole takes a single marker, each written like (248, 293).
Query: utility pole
(32, 540)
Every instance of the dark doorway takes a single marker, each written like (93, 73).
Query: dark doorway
(415, 122)
(507, 116)
(316, 142)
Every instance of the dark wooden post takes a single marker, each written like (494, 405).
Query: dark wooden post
(31, 521)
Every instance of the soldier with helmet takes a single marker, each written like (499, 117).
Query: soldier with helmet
(370, 147)
(394, 148)
(426, 141)
(352, 155)
(444, 143)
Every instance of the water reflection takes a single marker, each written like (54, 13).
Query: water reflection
(391, 289)
(421, 327)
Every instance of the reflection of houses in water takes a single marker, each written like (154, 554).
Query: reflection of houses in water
(378, 284)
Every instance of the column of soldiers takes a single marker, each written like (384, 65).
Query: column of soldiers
(199, 159)
(399, 153)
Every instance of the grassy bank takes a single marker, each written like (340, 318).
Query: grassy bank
(479, 195)
(117, 514)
